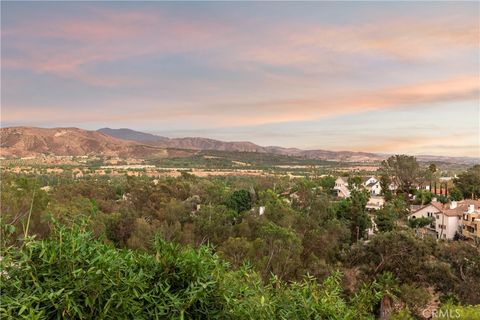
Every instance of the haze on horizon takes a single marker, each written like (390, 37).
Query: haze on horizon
(394, 77)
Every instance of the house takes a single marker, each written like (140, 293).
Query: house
(374, 188)
(368, 180)
(341, 187)
(427, 211)
(471, 220)
(375, 202)
(370, 183)
(447, 219)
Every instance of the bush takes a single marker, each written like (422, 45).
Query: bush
(71, 275)
(419, 222)
(240, 200)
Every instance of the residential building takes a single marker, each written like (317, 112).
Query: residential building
(374, 188)
(368, 180)
(448, 218)
(341, 187)
(471, 221)
(370, 183)
(375, 202)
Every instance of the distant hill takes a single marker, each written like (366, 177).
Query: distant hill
(191, 143)
(132, 135)
(28, 141)
(196, 143)
(31, 141)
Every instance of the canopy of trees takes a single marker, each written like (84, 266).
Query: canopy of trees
(403, 170)
(468, 182)
(188, 247)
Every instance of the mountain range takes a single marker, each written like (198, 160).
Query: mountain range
(196, 143)
(32, 141)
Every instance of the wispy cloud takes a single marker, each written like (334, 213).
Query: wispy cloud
(224, 67)
(240, 113)
(112, 35)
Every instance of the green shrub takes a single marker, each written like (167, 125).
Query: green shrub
(71, 275)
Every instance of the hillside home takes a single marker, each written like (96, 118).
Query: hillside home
(447, 219)
(375, 202)
(471, 220)
(370, 183)
(367, 180)
(341, 187)
(374, 188)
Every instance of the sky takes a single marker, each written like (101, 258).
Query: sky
(387, 77)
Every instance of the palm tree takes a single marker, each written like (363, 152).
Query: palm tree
(386, 285)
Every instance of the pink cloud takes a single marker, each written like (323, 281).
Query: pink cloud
(453, 144)
(404, 39)
(251, 111)
(109, 35)
(347, 101)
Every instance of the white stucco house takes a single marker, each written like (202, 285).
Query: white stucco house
(446, 218)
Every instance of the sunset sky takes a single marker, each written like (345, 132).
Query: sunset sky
(396, 77)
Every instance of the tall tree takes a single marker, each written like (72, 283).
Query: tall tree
(359, 219)
(385, 218)
(468, 182)
(354, 182)
(240, 200)
(403, 170)
(385, 183)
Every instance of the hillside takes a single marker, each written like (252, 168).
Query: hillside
(31, 141)
(132, 135)
(197, 143)
(191, 143)
(28, 141)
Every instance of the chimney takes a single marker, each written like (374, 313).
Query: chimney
(471, 208)
(453, 204)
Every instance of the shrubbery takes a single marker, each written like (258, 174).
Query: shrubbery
(144, 249)
(71, 275)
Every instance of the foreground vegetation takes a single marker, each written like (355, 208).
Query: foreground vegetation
(188, 247)
(74, 276)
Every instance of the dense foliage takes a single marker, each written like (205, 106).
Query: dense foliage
(73, 276)
(226, 247)
(468, 182)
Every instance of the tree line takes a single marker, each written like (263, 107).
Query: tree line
(206, 248)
